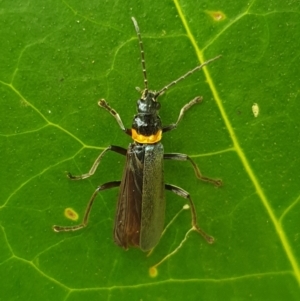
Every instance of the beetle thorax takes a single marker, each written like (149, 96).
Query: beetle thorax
(147, 121)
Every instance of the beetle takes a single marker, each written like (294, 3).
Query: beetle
(140, 213)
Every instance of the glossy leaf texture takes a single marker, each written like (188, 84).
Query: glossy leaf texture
(59, 58)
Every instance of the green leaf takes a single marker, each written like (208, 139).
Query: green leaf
(59, 58)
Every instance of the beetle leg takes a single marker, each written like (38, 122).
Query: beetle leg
(85, 220)
(113, 148)
(184, 157)
(179, 191)
(173, 126)
(103, 104)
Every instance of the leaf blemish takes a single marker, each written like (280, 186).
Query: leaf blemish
(71, 214)
(153, 272)
(217, 15)
(255, 109)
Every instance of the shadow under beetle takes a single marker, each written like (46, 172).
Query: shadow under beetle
(141, 204)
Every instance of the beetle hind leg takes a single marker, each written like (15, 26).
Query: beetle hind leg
(181, 192)
(85, 220)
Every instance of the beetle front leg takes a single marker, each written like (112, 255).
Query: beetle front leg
(103, 104)
(173, 126)
(184, 157)
(113, 148)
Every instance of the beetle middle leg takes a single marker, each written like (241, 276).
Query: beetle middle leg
(85, 220)
(113, 148)
(184, 157)
(181, 192)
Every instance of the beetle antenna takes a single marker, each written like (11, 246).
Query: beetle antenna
(142, 54)
(185, 75)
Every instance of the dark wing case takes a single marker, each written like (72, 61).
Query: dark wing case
(153, 197)
(141, 205)
(128, 215)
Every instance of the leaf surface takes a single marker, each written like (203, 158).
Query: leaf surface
(59, 58)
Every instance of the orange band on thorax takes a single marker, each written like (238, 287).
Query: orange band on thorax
(146, 139)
